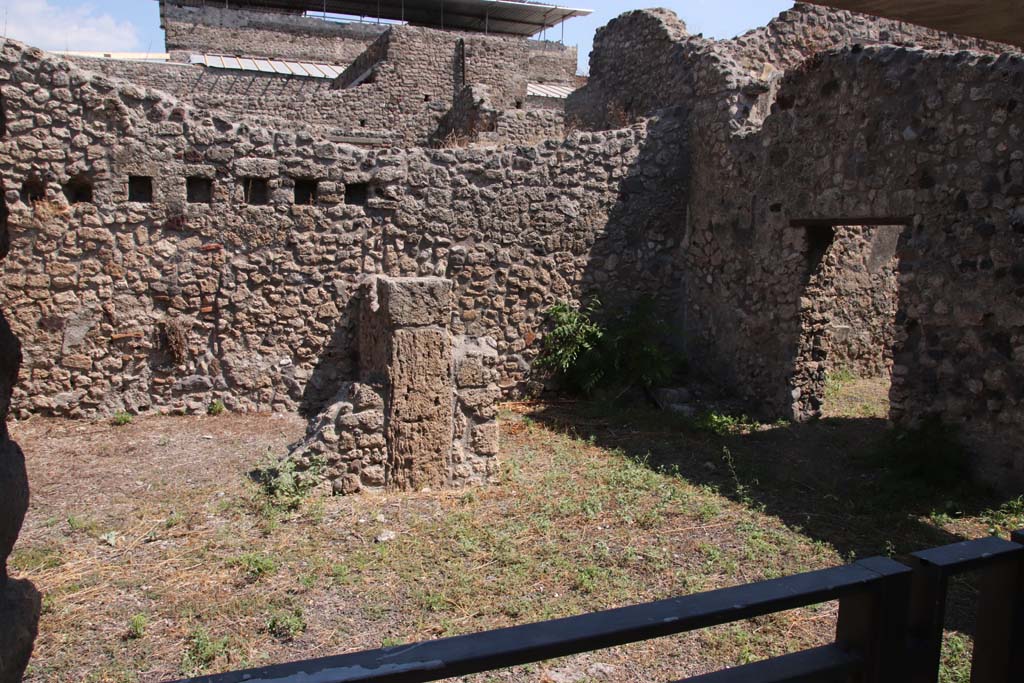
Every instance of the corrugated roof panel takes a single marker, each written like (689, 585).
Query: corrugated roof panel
(269, 66)
(548, 90)
(496, 16)
(280, 68)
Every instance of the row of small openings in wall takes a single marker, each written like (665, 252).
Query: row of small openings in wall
(198, 190)
(77, 190)
(256, 191)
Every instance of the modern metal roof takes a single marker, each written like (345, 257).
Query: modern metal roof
(283, 67)
(998, 20)
(515, 17)
(547, 90)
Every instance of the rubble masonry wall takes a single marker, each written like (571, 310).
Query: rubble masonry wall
(170, 304)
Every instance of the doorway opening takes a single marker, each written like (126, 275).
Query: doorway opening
(847, 318)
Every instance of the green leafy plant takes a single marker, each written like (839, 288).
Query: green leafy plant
(284, 485)
(121, 418)
(201, 649)
(256, 565)
(216, 408)
(286, 625)
(629, 351)
(571, 349)
(137, 626)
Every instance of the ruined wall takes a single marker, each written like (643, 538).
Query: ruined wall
(474, 118)
(645, 60)
(191, 27)
(414, 83)
(171, 303)
(926, 139)
(551, 62)
(897, 135)
(861, 290)
(412, 89)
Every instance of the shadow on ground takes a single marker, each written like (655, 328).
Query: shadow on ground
(818, 478)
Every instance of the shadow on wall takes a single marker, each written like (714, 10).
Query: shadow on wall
(639, 254)
(337, 363)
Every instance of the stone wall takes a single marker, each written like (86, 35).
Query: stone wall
(416, 77)
(645, 61)
(551, 62)
(421, 411)
(19, 601)
(899, 136)
(172, 303)
(924, 139)
(411, 91)
(474, 118)
(860, 291)
(197, 27)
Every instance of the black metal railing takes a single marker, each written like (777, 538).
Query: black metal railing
(889, 629)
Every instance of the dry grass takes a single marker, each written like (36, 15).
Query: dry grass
(158, 556)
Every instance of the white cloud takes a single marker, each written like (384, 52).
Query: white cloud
(53, 27)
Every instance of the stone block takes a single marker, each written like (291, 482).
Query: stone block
(415, 302)
(420, 453)
(256, 168)
(485, 439)
(420, 375)
(482, 403)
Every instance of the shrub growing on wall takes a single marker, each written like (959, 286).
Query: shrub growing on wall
(628, 350)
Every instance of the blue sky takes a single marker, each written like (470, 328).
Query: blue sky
(134, 25)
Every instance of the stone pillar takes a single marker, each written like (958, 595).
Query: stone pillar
(19, 600)
(422, 412)
(416, 350)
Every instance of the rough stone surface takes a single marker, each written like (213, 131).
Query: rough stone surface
(397, 85)
(414, 428)
(820, 116)
(698, 172)
(169, 305)
(198, 27)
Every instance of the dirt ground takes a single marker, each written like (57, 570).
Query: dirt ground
(159, 556)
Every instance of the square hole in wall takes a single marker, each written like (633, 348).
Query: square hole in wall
(78, 190)
(33, 190)
(357, 193)
(256, 191)
(199, 190)
(305, 191)
(140, 189)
